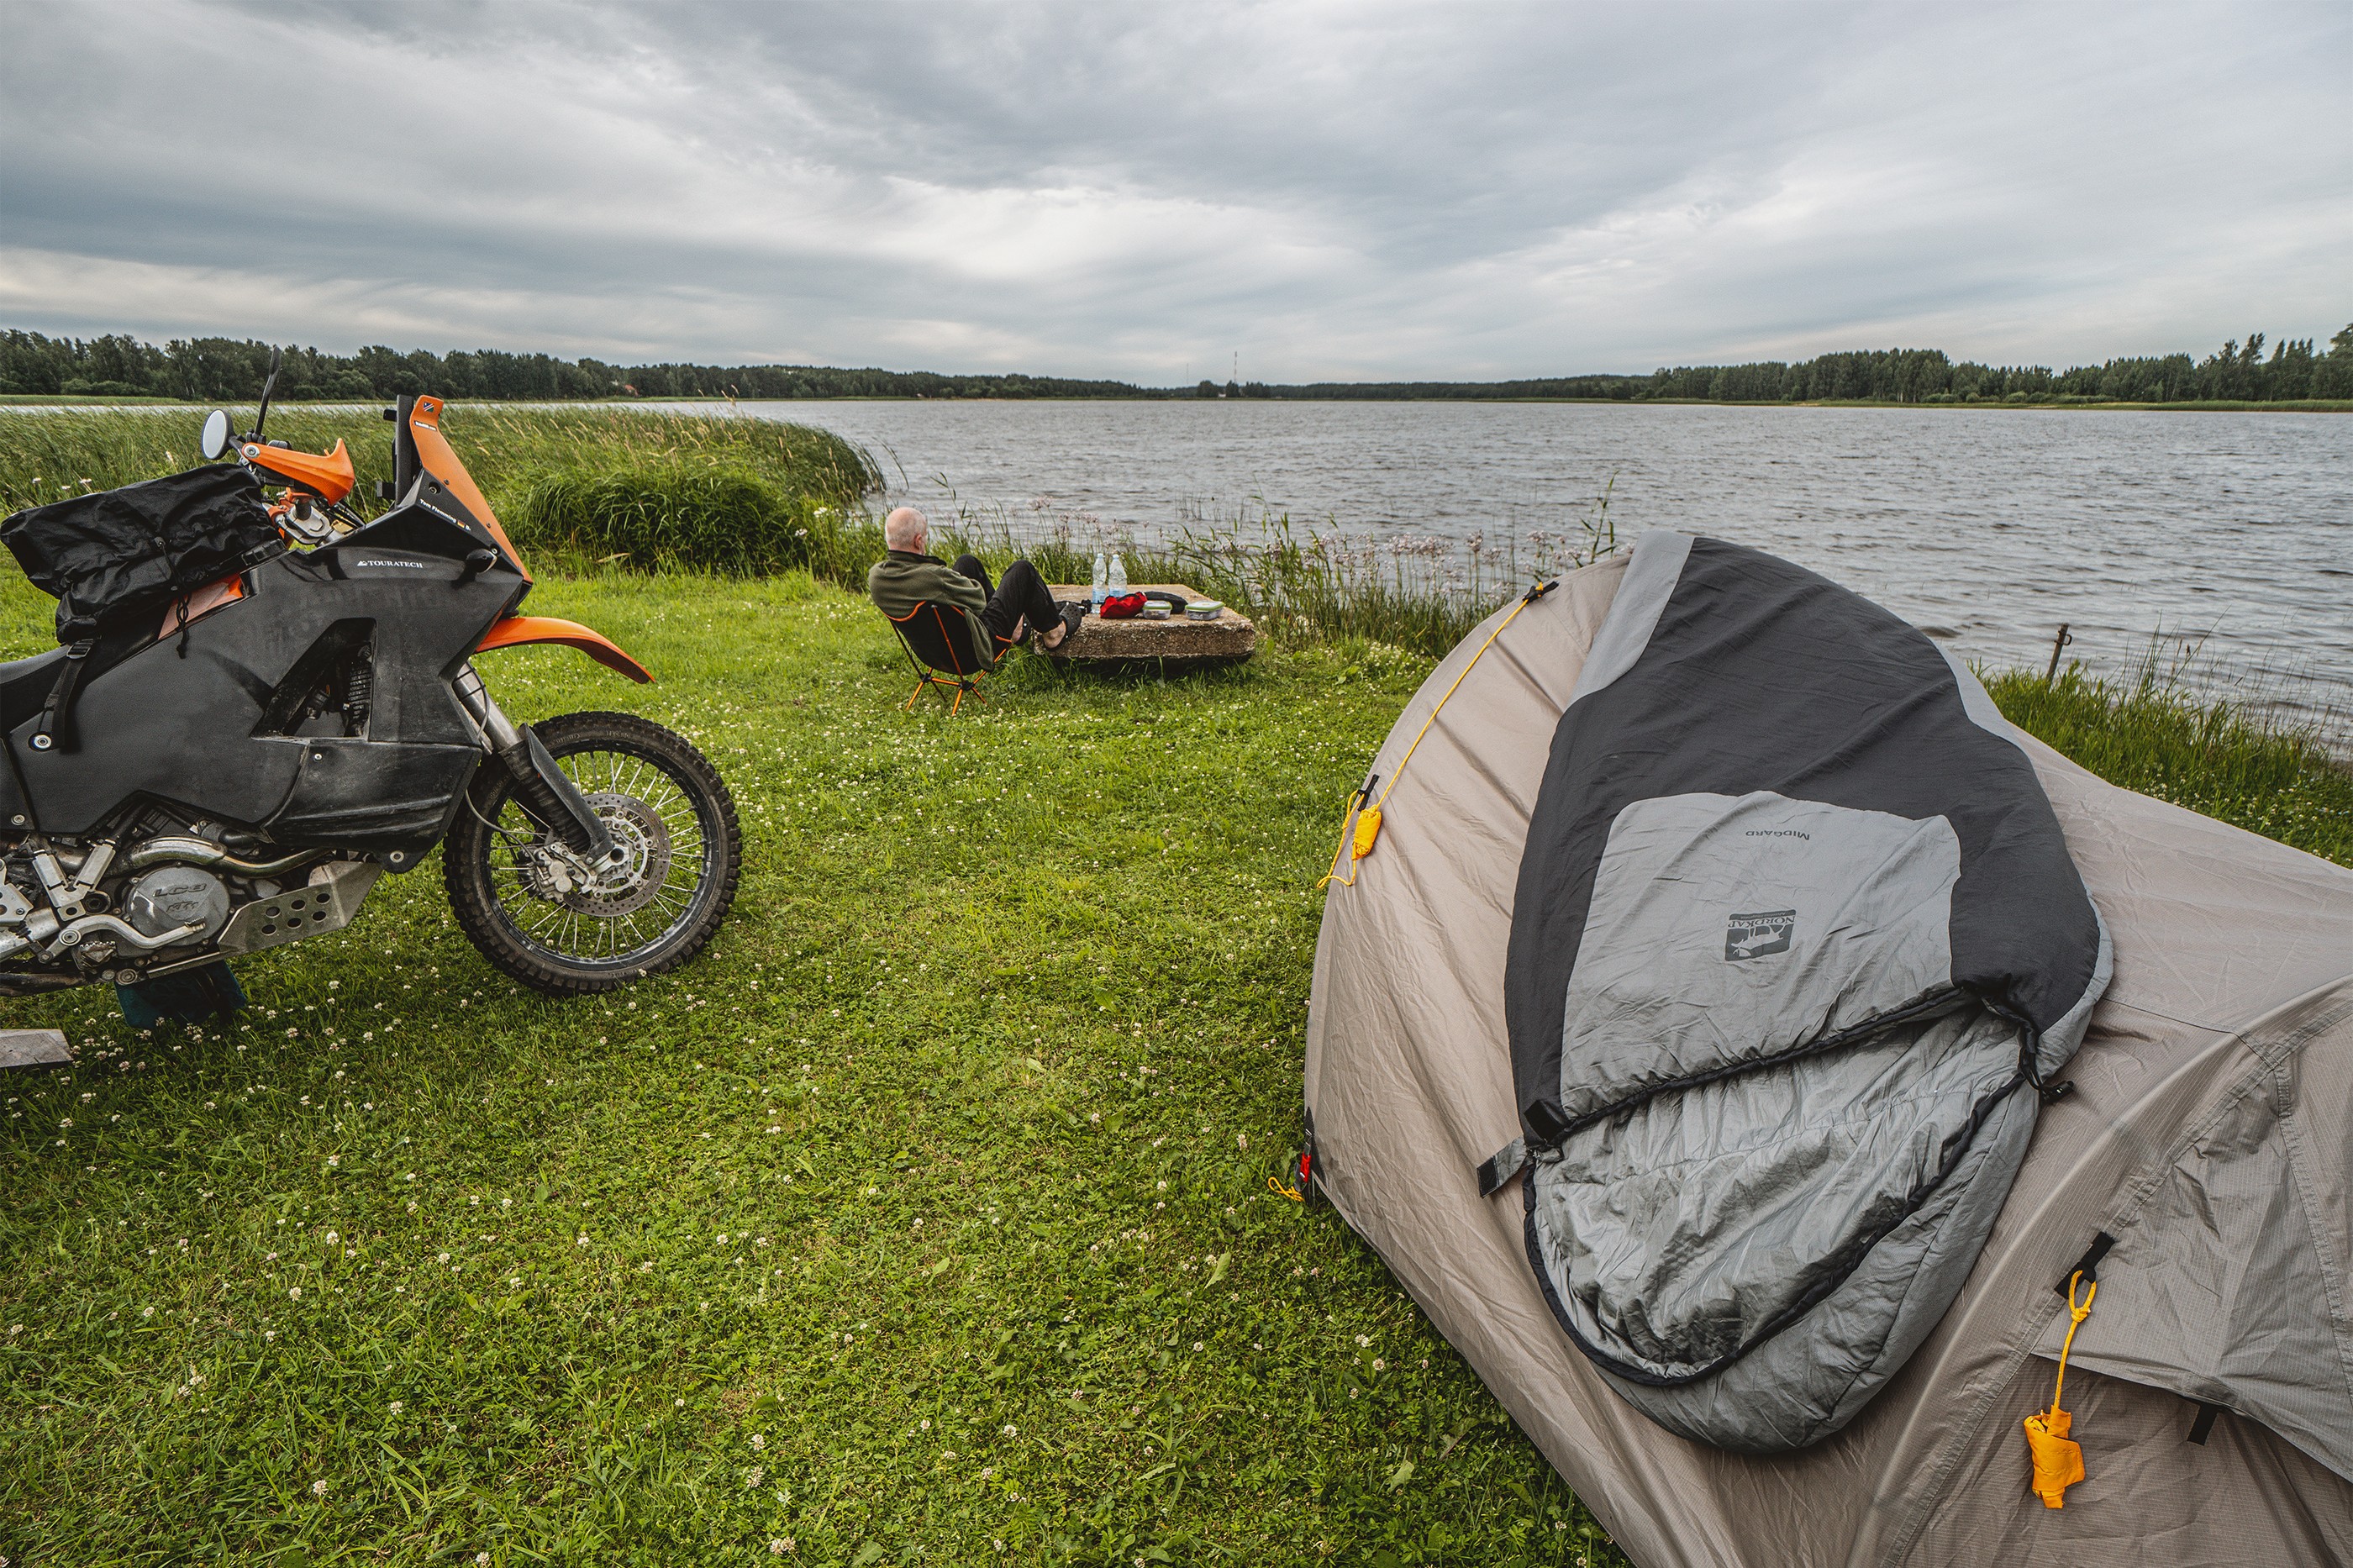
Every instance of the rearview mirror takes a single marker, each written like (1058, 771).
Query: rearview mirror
(216, 437)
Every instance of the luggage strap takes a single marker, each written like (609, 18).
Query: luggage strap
(58, 711)
(1501, 1165)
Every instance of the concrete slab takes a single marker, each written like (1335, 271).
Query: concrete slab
(1228, 639)
(34, 1048)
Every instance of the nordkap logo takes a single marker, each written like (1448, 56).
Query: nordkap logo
(1754, 936)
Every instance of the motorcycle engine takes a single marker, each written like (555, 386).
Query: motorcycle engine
(170, 896)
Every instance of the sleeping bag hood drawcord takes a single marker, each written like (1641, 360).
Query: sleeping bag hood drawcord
(2058, 1462)
(1357, 843)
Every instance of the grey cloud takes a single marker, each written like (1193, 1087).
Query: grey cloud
(1344, 190)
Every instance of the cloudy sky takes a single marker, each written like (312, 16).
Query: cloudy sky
(1332, 190)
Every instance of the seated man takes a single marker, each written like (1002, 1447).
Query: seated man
(1020, 605)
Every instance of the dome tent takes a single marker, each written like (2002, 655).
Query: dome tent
(2208, 1138)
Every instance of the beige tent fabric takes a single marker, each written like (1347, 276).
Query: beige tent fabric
(2234, 977)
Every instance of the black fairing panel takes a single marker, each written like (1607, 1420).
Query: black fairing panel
(184, 728)
(371, 794)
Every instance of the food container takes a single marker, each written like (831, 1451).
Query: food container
(1203, 610)
(1154, 610)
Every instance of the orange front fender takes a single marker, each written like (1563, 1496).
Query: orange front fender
(515, 630)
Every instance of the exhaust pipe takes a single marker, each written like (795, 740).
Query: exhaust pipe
(205, 853)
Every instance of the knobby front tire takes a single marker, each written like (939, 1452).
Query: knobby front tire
(661, 799)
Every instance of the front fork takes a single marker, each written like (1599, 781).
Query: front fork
(544, 791)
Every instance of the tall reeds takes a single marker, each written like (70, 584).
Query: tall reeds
(1415, 592)
(508, 448)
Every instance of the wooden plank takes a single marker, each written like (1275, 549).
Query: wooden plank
(1228, 639)
(34, 1048)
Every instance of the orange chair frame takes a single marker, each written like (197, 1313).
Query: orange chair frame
(928, 676)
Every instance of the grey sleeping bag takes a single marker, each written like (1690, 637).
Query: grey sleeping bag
(1796, 951)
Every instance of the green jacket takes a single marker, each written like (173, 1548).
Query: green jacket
(902, 580)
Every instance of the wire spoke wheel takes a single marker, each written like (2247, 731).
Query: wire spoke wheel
(566, 928)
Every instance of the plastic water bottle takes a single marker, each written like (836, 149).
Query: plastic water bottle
(1118, 575)
(1103, 582)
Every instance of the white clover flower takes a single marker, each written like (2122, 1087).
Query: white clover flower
(294, 1293)
(1012, 1431)
(394, 1407)
(333, 1238)
(318, 1488)
(758, 1441)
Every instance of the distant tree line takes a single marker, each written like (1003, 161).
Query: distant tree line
(226, 370)
(2235, 372)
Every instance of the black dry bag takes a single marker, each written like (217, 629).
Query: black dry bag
(114, 554)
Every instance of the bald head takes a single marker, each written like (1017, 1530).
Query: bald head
(906, 529)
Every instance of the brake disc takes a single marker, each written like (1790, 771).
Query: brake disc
(629, 884)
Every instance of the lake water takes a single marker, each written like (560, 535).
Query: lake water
(1990, 527)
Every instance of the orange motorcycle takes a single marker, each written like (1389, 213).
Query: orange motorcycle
(264, 704)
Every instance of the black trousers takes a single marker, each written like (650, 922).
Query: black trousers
(1022, 595)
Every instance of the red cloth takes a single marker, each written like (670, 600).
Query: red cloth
(1119, 607)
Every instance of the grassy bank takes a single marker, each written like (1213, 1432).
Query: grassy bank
(1021, 994)
(574, 485)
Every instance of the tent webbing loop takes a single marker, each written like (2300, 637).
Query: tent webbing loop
(2058, 1462)
(1357, 843)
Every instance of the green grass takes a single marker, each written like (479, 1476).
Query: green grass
(1023, 994)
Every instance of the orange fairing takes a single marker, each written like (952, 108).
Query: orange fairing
(329, 477)
(516, 630)
(433, 451)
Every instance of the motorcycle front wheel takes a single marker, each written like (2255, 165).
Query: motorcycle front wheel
(663, 804)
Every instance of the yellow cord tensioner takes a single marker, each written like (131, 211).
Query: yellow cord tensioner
(2058, 1462)
(1357, 842)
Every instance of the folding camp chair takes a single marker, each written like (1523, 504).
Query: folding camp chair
(939, 641)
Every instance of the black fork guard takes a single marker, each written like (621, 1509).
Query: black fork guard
(549, 798)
